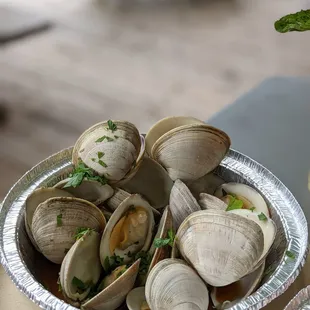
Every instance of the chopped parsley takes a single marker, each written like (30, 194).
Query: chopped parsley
(59, 220)
(101, 163)
(80, 232)
(111, 126)
(234, 204)
(59, 285)
(262, 217)
(82, 172)
(146, 259)
(160, 242)
(100, 155)
(252, 209)
(121, 272)
(290, 254)
(116, 137)
(112, 262)
(79, 284)
(101, 139)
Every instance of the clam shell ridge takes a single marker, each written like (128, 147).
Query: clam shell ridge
(165, 125)
(192, 151)
(89, 190)
(109, 153)
(83, 262)
(134, 200)
(230, 245)
(34, 199)
(55, 223)
(172, 284)
(115, 294)
(182, 203)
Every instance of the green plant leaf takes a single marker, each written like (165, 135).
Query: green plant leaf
(299, 21)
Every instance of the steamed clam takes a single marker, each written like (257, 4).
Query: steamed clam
(56, 221)
(188, 150)
(111, 148)
(129, 229)
(172, 284)
(155, 231)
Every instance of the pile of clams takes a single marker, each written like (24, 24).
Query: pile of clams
(139, 223)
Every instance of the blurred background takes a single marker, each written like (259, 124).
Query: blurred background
(130, 59)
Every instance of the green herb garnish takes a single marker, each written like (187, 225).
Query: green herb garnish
(100, 155)
(82, 172)
(160, 242)
(101, 163)
(116, 137)
(290, 254)
(299, 21)
(262, 217)
(112, 262)
(80, 232)
(112, 126)
(80, 285)
(59, 220)
(146, 259)
(103, 138)
(234, 204)
(121, 272)
(59, 285)
(252, 209)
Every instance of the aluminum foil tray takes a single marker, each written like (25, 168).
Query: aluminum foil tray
(22, 262)
(301, 301)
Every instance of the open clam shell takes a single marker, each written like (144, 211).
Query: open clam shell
(182, 203)
(208, 202)
(227, 296)
(115, 294)
(55, 223)
(112, 153)
(172, 285)
(34, 199)
(250, 197)
(161, 253)
(129, 229)
(81, 267)
(267, 225)
(89, 190)
(231, 245)
(165, 125)
(152, 182)
(191, 151)
(136, 299)
(118, 197)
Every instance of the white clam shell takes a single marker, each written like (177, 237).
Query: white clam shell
(120, 150)
(83, 262)
(115, 294)
(228, 296)
(268, 227)
(172, 284)
(89, 190)
(165, 125)
(118, 197)
(152, 182)
(191, 151)
(247, 192)
(208, 202)
(134, 200)
(182, 203)
(34, 199)
(221, 246)
(54, 240)
(135, 298)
